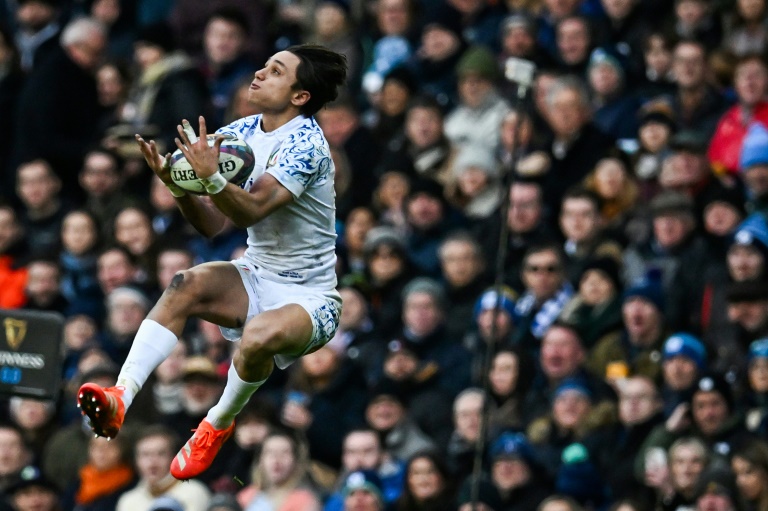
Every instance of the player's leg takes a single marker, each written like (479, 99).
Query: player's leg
(286, 330)
(212, 291)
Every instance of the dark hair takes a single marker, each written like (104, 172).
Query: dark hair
(159, 430)
(116, 247)
(231, 15)
(320, 72)
(546, 247)
(426, 101)
(444, 498)
(579, 192)
(118, 160)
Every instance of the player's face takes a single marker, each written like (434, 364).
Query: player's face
(273, 88)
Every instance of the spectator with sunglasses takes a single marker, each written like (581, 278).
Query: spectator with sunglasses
(547, 290)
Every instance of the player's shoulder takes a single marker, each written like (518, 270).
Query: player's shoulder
(308, 135)
(241, 128)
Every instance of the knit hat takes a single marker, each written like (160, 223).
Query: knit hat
(366, 480)
(487, 301)
(758, 349)
(754, 147)
(657, 112)
(649, 288)
(579, 478)
(403, 76)
(579, 385)
(730, 196)
(719, 481)
(686, 345)
(519, 21)
(753, 232)
(513, 446)
(601, 57)
(607, 266)
(444, 18)
(714, 383)
(428, 286)
(157, 34)
(671, 202)
(476, 156)
(383, 235)
(31, 476)
(478, 60)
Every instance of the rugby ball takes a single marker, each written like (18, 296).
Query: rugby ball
(236, 163)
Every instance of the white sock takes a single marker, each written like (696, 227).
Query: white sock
(236, 395)
(152, 344)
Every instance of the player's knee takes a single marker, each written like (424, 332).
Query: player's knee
(186, 283)
(261, 340)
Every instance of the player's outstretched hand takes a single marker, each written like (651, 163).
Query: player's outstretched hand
(160, 165)
(203, 159)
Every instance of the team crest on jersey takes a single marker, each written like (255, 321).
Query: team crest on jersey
(272, 159)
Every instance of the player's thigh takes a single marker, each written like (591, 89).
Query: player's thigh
(221, 295)
(285, 330)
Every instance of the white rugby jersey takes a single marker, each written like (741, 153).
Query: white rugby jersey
(297, 242)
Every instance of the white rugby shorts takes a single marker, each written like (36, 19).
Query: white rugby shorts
(266, 292)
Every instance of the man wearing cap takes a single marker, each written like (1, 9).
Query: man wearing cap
(709, 415)
(716, 490)
(362, 492)
(674, 249)
(33, 492)
(477, 118)
(637, 348)
(201, 386)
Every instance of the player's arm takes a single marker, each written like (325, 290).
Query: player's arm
(204, 217)
(247, 208)
(243, 208)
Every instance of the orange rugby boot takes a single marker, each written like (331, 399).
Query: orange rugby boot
(104, 408)
(198, 453)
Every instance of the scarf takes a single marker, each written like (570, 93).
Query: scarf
(95, 483)
(548, 312)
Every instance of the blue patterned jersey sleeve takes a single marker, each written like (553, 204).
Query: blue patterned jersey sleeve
(303, 159)
(239, 128)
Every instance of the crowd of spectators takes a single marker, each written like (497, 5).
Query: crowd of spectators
(629, 366)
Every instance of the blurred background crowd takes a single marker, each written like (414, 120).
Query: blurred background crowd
(629, 366)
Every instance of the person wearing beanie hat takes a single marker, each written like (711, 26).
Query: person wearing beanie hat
(712, 407)
(748, 308)
(757, 390)
(481, 110)
(682, 344)
(748, 252)
(484, 319)
(595, 310)
(578, 477)
(360, 489)
(476, 189)
(716, 489)
(614, 111)
(753, 166)
(648, 288)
